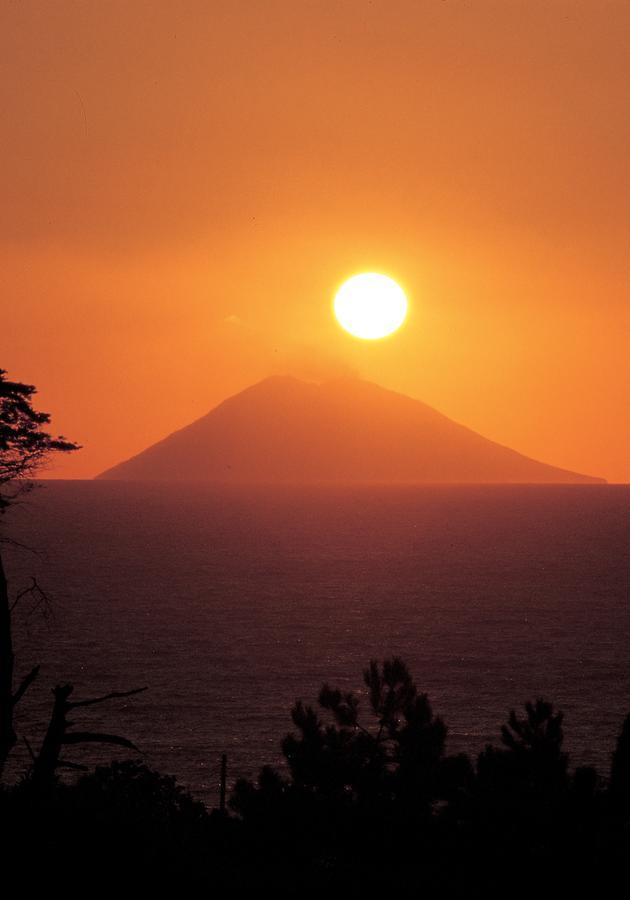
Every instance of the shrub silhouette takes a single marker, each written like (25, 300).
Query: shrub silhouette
(358, 785)
(122, 824)
(531, 762)
(350, 760)
(620, 769)
(369, 803)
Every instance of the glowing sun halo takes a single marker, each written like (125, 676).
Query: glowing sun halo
(370, 306)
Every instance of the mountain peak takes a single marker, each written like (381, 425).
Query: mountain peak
(345, 430)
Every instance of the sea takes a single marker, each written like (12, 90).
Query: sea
(228, 604)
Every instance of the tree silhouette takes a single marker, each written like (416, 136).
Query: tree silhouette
(364, 776)
(120, 829)
(620, 769)
(370, 805)
(533, 745)
(525, 802)
(396, 752)
(59, 735)
(25, 446)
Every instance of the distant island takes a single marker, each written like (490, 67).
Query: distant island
(287, 431)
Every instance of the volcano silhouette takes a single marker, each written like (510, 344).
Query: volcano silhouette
(283, 430)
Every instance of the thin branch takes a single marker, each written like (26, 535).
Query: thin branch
(25, 684)
(13, 543)
(29, 748)
(96, 737)
(34, 588)
(363, 729)
(23, 593)
(113, 696)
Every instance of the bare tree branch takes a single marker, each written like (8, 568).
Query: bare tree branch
(25, 684)
(94, 737)
(41, 597)
(58, 735)
(113, 696)
(11, 542)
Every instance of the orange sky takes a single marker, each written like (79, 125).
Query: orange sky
(184, 184)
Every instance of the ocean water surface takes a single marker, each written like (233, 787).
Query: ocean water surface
(231, 603)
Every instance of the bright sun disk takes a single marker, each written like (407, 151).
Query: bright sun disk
(370, 305)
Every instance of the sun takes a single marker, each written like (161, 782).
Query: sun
(370, 306)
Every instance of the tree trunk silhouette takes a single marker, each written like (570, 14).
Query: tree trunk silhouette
(8, 697)
(7, 732)
(58, 736)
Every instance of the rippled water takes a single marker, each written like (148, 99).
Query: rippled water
(230, 604)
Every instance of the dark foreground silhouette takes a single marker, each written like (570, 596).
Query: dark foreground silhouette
(369, 804)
